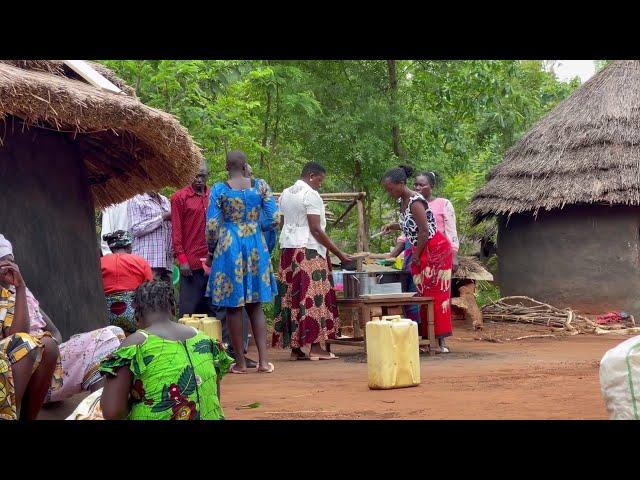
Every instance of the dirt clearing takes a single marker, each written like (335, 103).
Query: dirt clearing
(534, 378)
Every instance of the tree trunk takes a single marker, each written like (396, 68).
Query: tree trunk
(395, 129)
(274, 134)
(265, 134)
(357, 185)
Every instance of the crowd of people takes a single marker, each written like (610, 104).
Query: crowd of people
(151, 367)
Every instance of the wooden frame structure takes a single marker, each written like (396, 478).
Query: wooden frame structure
(352, 199)
(364, 309)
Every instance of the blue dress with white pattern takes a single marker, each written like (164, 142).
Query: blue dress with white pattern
(241, 269)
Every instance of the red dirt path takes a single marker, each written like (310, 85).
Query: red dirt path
(530, 379)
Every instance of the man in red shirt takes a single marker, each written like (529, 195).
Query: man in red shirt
(189, 211)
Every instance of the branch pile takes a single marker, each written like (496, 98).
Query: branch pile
(521, 309)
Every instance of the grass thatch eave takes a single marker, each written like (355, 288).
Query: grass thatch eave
(128, 148)
(585, 151)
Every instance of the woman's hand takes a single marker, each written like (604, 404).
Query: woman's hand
(456, 262)
(345, 257)
(209, 260)
(205, 267)
(415, 261)
(10, 273)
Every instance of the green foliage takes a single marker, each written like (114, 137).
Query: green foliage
(456, 118)
(486, 293)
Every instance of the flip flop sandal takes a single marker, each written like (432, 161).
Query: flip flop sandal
(232, 369)
(316, 357)
(250, 363)
(298, 357)
(271, 368)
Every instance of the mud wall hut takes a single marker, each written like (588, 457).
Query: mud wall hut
(567, 198)
(67, 148)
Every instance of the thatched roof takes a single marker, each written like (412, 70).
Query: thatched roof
(586, 150)
(471, 269)
(127, 147)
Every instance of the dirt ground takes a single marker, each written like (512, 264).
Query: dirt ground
(536, 378)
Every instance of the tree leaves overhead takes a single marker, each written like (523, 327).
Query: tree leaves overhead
(456, 118)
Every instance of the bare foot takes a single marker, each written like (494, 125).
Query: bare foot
(266, 367)
(317, 353)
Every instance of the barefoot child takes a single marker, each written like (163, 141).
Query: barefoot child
(164, 371)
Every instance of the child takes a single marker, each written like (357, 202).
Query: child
(164, 371)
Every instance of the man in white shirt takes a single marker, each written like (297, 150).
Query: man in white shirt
(114, 218)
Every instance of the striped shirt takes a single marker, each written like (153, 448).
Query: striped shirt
(151, 235)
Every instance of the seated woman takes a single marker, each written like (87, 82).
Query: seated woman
(122, 273)
(26, 363)
(166, 370)
(78, 361)
(80, 356)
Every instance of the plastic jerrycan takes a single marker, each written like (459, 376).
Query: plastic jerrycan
(210, 326)
(393, 358)
(191, 321)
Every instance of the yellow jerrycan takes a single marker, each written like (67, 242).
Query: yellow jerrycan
(393, 358)
(187, 320)
(210, 326)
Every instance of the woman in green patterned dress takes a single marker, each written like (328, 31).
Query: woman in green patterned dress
(164, 371)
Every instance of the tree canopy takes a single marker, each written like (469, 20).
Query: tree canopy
(358, 118)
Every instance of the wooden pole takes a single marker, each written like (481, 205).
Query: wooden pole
(362, 240)
(344, 214)
(337, 195)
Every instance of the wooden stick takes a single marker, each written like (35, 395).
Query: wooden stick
(339, 195)
(344, 214)
(363, 239)
(535, 336)
(540, 313)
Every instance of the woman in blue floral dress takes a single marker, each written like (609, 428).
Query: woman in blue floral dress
(241, 273)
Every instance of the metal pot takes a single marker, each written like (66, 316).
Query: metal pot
(357, 284)
(353, 284)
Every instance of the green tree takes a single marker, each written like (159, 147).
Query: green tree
(358, 118)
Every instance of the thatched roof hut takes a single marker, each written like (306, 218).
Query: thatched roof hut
(127, 147)
(585, 151)
(67, 147)
(567, 196)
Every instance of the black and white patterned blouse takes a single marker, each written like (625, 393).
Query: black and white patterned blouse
(408, 223)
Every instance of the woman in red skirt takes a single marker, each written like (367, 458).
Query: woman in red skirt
(432, 255)
(306, 312)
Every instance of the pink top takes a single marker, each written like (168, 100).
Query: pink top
(445, 220)
(38, 325)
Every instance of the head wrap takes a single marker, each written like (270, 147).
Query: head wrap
(118, 239)
(5, 247)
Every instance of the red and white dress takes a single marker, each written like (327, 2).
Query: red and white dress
(432, 276)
